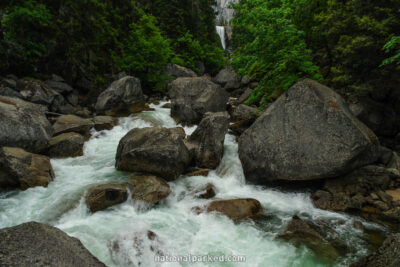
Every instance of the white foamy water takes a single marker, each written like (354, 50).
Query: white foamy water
(117, 236)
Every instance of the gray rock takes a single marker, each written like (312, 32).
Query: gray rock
(21, 169)
(73, 98)
(59, 87)
(72, 123)
(225, 76)
(122, 98)
(36, 244)
(23, 124)
(38, 92)
(66, 145)
(246, 94)
(386, 256)
(237, 209)
(6, 91)
(150, 189)
(9, 83)
(158, 151)
(308, 133)
(207, 141)
(191, 98)
(103, 196)
(177, 71)
(244, 112)
(57, 78)
(245, 80)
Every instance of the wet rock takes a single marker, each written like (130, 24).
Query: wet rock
(23, 124)
(237, 209)
(36, 244)
(21, 169)
(104, 122)
(158, 151)
(122, 98)
(191, 98)
(66, 145)
(167, 105)
(207, 141)
(308, 133)
(387, 255)
(205, 192)
(177, 71)
(104, 196)
(239, 127)
(301, 232)
(72, 123)
(150, 189)
(198, 172)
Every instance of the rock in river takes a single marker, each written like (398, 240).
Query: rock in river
(308, 133)
(150, 189)
(106, 195)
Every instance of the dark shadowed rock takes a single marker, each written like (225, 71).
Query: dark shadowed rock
(244, 96)
(104, 196)
(104, 122)
(122, 98)
(308, 133)
(6, 91)
(158, 151)
(60, 87)
(24, 125)
(150, 189)
(244, 112)
(21, 169)
(237, 209)
(66, 145)
(36, 244)
(386, 256)
(198, 172)
(177, 71)
(191, 98)
(72, 123)
(207, 141)
(206, 192)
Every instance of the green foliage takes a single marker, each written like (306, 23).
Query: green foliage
(270, 48)
(392, 45)
(146, 52)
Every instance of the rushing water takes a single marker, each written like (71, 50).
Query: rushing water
(221, 34)
(117, 236)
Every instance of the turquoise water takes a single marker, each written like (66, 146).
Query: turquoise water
(117, 236)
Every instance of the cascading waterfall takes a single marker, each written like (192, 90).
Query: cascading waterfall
(117, 235)
(221, 34)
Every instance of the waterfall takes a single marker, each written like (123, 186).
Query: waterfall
(221, 33)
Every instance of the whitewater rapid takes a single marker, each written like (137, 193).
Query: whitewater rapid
(117, 236)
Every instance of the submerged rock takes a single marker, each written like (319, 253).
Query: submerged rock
(104, 196)
(104, 122)
(66, 145)
(122, 98)
(308, 133)
(237, 209)
(191, 98)
(386, 256)
(21, 169)
(36, 244)
(300, 232)
(206, 192)
(207, 141)
(23, 124)
(158, 151)
(150, 189)
(72, 123)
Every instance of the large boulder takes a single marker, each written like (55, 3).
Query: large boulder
(228, 79)
(207, 141)
(60, 87)
(6, 91)
(237, 209)
(21, 169)
(150, 189)
(386, 256)
(122, 98)
(36, 244)
(177, 71)
(66, 145)
(191, 98)
(158, 151)
(24, 125)
(308, 133)
(103, 196)
(72, 123)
